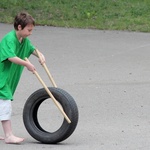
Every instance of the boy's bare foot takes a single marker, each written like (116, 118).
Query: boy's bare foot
(1, 138)
(13, 140)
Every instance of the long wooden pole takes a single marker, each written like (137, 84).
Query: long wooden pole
(46, 69)
(50, 94)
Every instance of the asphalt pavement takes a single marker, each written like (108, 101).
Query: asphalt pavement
(108, 75)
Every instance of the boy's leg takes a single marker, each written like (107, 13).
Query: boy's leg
(1, 138)
(9, 137)
(5, 115)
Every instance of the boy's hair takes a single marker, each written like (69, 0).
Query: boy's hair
(23, 19)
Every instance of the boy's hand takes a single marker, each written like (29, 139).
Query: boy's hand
(25, 63)
(30, 66)
(41, 58)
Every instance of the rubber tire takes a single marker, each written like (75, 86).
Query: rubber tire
(30, 117)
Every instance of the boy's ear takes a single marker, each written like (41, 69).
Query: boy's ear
(19, 27)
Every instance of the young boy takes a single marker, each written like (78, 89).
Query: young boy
(14, 47)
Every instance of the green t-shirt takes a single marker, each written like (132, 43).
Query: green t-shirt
(10, 73)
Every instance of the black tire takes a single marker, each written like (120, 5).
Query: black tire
(33, 125)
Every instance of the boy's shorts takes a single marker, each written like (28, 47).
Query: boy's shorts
(5, 109)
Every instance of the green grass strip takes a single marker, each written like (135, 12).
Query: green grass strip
(131, 15)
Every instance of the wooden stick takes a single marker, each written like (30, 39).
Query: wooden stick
(47, 71)
(51, 95)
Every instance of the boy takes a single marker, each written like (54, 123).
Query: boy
(14, 47)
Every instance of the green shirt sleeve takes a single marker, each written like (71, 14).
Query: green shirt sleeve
(7, 50)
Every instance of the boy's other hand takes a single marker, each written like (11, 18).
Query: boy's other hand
(42, 59)
(30, 67)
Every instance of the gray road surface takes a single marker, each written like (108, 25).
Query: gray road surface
(107, 73)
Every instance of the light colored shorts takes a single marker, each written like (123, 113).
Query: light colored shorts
(5, 109)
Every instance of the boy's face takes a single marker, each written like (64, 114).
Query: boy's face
(26, 31)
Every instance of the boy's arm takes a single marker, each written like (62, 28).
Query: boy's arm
(41, 59)
(22, 62)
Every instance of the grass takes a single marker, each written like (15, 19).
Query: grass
(132, 15)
